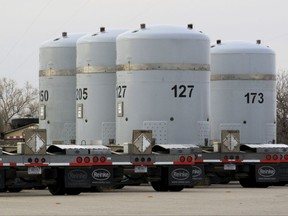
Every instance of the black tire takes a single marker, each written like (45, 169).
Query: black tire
(176, 188)
(57, 190)
(280, 183)
(118, 187)
(3, 190)
(160, 186)
(97, 189)
(251, 183)
(40, 187)
(15, 190)
(225, 181)
(73, 191)
(247, 183)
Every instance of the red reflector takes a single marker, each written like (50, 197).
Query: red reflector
(268, 157)
(275, 157)
(286, 157)
(189, 158)
(43, 160)
(86, 159)
(95, 159)
(36, 160)
(182, 159)
(79, 159)
(102, 159)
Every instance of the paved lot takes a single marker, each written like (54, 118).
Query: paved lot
(214, 200)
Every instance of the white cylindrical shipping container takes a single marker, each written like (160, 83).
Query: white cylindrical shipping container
(57, 83)
(95, 92)
(163, 84)
(243, 91)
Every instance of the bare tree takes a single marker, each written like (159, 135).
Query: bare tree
(282, 107)
(16, 101)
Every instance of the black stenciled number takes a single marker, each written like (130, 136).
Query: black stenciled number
(261, 98)
(81, 93)
(44, 95)
(253, 97)
(182, 91)
(121, 90)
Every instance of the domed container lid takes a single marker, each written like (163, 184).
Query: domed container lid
(247, 60)
(96, 52)
(163, 32)
(103, 35)
(59, 54)
(163, 44)
(66, 40)
(240, 47)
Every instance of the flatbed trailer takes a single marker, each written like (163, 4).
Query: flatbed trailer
(72, 169)
(255, 165)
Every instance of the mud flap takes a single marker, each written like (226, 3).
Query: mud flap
(180, 176)
(77, 178)
(2, 178)
(283, 172)
(266, 173)
(101, 176)
(198, 173)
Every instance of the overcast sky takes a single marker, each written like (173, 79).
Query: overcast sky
(26, 24)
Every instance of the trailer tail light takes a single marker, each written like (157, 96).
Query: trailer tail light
(268, 157)
(102, 159)
(30, 160)
(189, 159)
(275, 157)
(87, 160)
(36, 160)
(286, 157)
(43, 160)
(195, 157)
(225, 157)
(281, 157)
(79, 159)
(95, 159)
(182, 159)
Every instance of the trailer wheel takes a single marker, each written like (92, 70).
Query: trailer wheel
(3, 190)
(40, 187)
(246, 183)
(57, 190)
(279, 184)
(160, 186)
(176, 188)
(73, 191)
(97, 189)
(14, 190)
(251, 183)
(119, 187)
